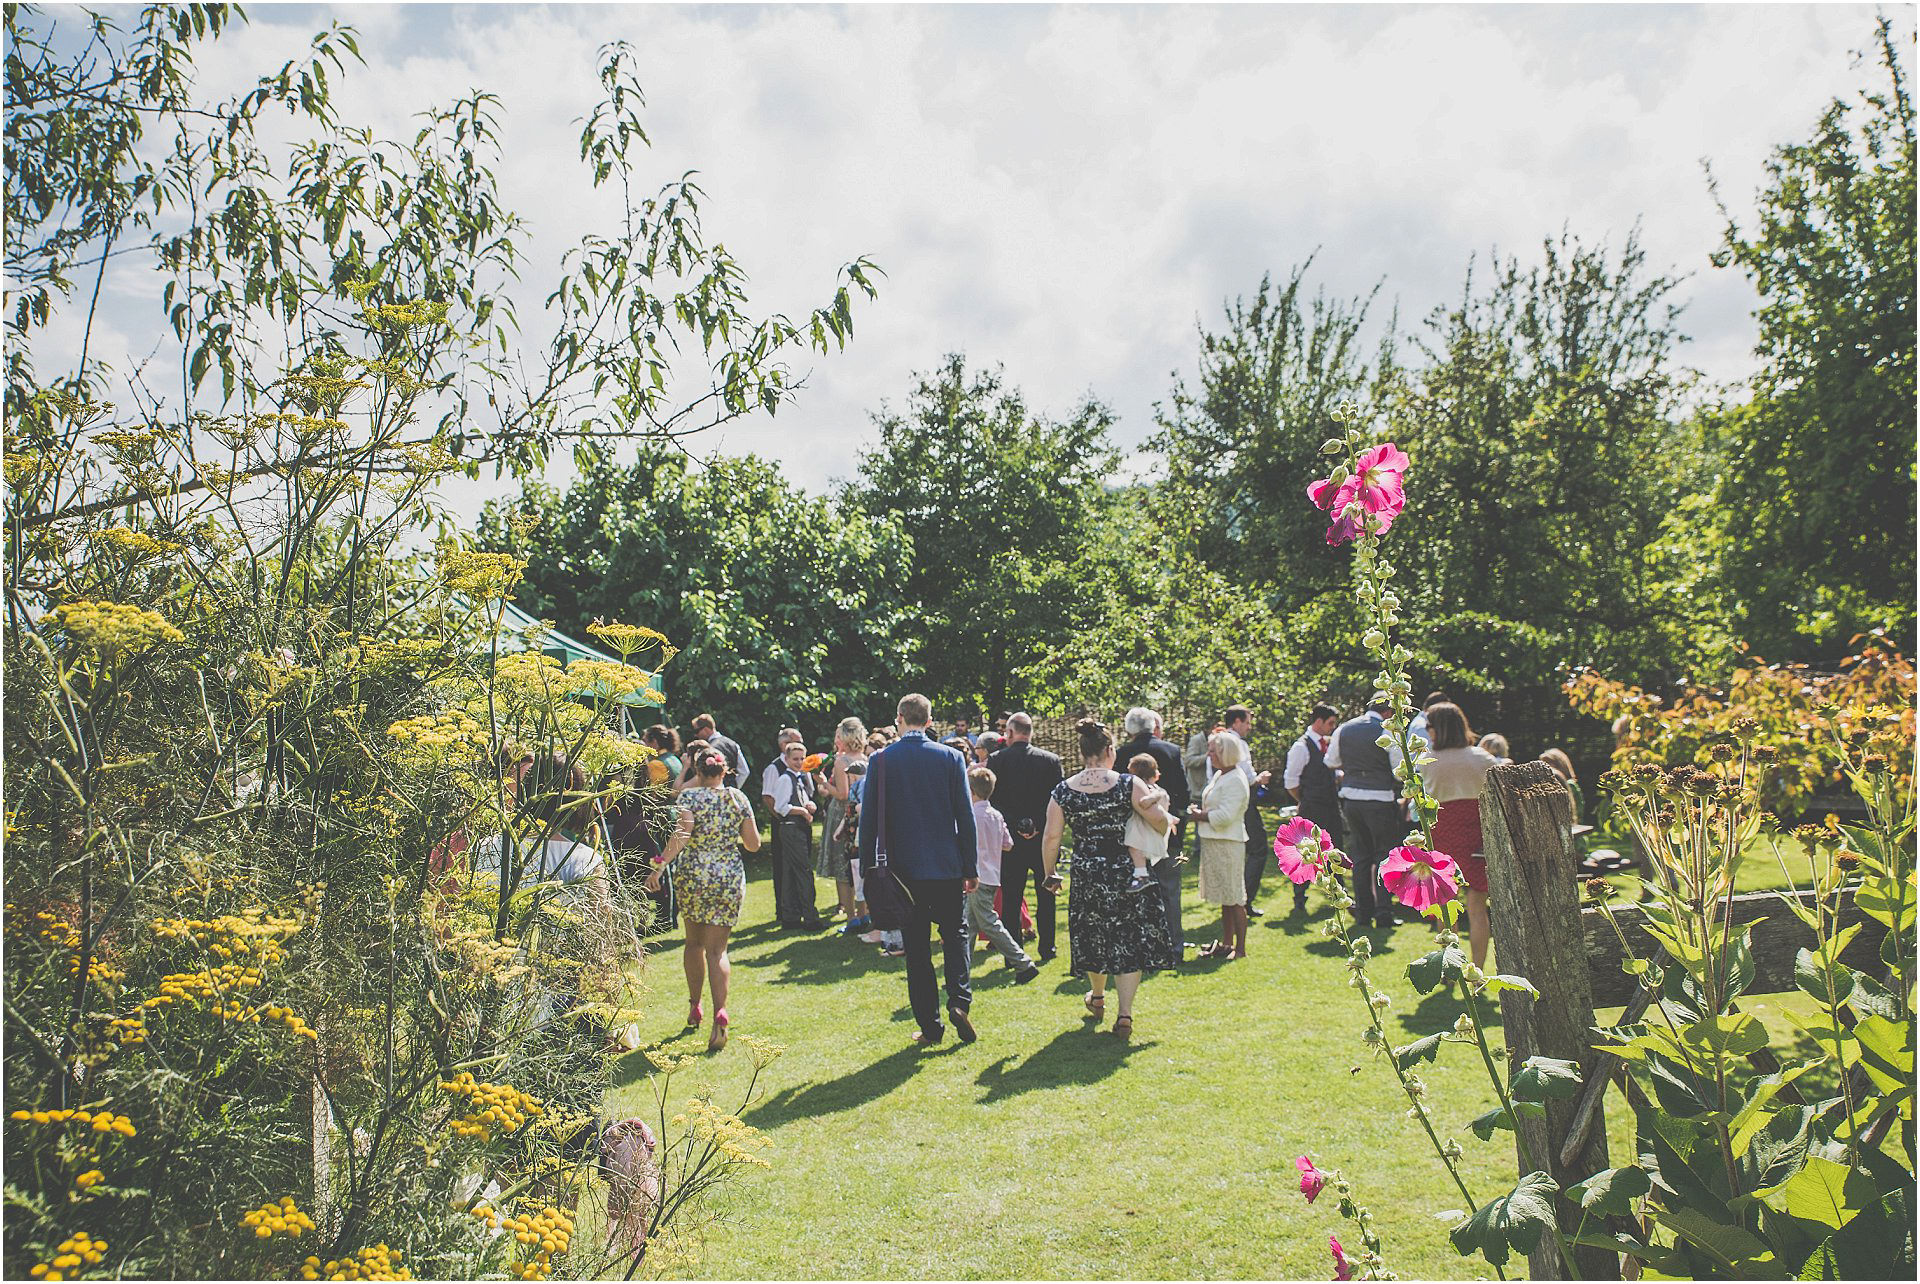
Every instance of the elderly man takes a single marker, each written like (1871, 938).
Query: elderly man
(917, 815)
(1143, 737)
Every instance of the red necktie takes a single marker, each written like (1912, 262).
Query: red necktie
(1323, 744)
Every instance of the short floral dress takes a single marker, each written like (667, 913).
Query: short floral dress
(709, 877)
(837, 838)
(1109, 929)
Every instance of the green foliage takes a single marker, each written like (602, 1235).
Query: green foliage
(1514, 1220)
(1819, 465)
(255, 736)
(1551, 462)
(1011, 523)
(787, 607)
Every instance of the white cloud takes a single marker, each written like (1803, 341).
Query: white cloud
(1068, 190)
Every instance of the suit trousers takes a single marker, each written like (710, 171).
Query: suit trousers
(1259, 850)
(1373, 830)
(1015, 866)
(937, 903)
(793, 871)
(1166, 874)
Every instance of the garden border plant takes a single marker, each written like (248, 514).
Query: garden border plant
(1736, 1175)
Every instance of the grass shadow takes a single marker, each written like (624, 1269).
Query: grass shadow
(1298, 922)
(1078, 1056)
(819, 960)
(849, 1092)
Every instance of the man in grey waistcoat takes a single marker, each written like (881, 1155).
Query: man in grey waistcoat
(1370, 804)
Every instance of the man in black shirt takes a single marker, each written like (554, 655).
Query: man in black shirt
(1025, 776)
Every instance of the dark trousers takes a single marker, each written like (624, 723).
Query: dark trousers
(793, 871)
(937, 903)
(1015, 866)
(1166, 874)
(1259, 850)
(1373, 830)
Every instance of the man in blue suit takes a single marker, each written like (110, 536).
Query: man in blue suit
(917, 810)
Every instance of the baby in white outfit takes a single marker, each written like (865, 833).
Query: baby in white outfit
(1146, 836)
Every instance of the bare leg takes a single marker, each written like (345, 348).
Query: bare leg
(1478, 929)
(694, 959)
(719, 966)
(1099, 983)
(1124, 985)
(1239, 913)
(845, 888)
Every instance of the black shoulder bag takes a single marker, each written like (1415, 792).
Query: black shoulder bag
(889, 904)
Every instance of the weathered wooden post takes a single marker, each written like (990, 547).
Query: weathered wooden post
(1526, 817)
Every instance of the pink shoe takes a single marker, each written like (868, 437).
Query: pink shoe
(718, 1039)
(693, 1013)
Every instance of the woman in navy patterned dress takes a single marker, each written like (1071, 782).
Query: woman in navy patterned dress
(1111, 932)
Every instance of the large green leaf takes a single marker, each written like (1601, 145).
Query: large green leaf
(1668, 1149)
(1514, 1220)
(1870, 998)
(1422, 1049)
(1734, 1249)
(1611, 1192)
(1496, 1118)
(1750, 1118)
(1812, 977)
(1876, 1245)
(1540, 1078)
(1887, 1046)
(1823, 1191)
(1731, 1034)
(1437, 968)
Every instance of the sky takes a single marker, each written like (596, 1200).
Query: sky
(1071, 191)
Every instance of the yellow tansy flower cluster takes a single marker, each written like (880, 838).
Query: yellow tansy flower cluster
(439, 733)
(113, 629)
(491, 1107)
(735, 1139)
(546, 1232)
(283, 1218)
(252, 932)
(485, 575)
(103, 1121)
(376, 1263)
(127, 1031)
(78, 1251)
(138, 543)
(89, 1179)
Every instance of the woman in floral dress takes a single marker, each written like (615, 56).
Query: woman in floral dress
(1111, 932)
(715, 822)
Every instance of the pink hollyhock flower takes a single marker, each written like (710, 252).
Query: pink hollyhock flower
(1379, 482)
(1321, 493)
(1420, 879)
(1342, 1268)
(1311, 1179)
(1302, 848)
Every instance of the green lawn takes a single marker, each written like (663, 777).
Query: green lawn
(1051, 1150)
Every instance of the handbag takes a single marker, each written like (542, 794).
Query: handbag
(889, 903)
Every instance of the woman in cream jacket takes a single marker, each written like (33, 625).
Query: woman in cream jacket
(1221, 817)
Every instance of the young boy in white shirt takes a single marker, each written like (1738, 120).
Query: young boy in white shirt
(993, 839)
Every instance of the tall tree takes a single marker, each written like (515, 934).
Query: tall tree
(1007, 511)
(1821, 463)
(1241, 444)
(787, 607)
(1548, 469)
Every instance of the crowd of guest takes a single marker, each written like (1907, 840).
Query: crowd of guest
(974, 827)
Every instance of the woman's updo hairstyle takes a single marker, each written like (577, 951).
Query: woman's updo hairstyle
(713, 764)
(1095, 739)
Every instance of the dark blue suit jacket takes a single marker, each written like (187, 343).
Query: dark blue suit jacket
(921, 790)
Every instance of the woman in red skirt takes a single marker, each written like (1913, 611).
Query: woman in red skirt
(1453, 778)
